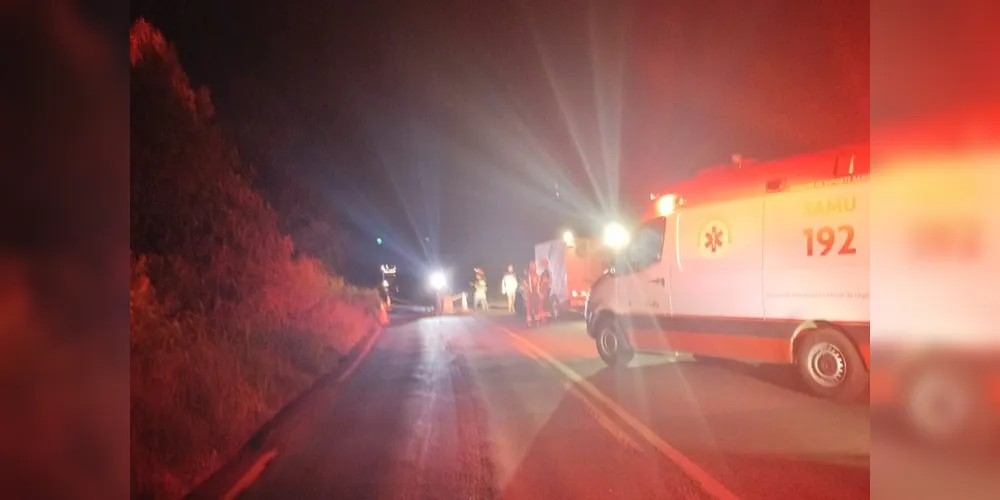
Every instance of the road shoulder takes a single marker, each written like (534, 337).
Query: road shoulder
(237, 473)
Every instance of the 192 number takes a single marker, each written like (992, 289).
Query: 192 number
(826, 238)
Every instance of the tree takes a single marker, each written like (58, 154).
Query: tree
(218, 239)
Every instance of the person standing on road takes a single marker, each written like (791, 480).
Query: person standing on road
(509, 287)
(480, 295)
(545, 291)
(531, 305)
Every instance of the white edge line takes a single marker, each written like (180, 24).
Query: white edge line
(258, 466)
(365, 351)
(251, 475)
(708, 483)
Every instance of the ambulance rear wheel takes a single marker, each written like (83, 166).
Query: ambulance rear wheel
(831, 366)
(612, 345)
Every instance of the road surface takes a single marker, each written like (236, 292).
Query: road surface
(478, 407)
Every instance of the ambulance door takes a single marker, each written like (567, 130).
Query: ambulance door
(650, 270)
(648, 293)
(816, 249)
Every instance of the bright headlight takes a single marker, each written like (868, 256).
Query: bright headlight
(438, 280)
(616, 236)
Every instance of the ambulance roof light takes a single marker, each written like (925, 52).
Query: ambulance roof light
(667, 204)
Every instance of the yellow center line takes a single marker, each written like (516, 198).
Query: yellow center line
(708, 483)
(596, 413)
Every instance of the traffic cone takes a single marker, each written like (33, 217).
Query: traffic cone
(383, 315)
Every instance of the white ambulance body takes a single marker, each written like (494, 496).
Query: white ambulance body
(764, 262)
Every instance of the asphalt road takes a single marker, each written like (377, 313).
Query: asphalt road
(478, 407)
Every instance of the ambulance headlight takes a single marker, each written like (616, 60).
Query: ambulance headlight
(616, 236)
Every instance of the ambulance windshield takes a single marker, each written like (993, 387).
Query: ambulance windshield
(645, 249)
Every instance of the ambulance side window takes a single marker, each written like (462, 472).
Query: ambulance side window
(647, 247)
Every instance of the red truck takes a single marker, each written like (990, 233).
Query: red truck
(575, 263)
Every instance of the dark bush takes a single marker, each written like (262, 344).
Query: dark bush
(228, 322)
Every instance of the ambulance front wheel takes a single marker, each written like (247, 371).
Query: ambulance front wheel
(831, 366)
(612, 345)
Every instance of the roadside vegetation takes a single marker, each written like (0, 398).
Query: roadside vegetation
(229, 320)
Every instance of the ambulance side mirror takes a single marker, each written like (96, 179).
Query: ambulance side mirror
(775, 185)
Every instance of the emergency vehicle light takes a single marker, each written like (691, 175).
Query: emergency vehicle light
(666, 204)
(616, 236)
(438, 280)
(569, 239)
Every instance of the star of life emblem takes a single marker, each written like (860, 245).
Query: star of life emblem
(714, 239)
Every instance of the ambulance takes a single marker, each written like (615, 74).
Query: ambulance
(763, 262)
(770, 263)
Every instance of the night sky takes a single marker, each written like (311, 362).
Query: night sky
(456, 120)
